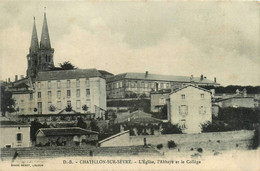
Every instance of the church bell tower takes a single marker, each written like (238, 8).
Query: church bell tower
(33, 53)
(45, 54)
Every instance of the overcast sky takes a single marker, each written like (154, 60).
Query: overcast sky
(217, 39)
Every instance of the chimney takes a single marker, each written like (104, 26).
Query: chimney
(9, 80)
(201, 77)
(146, 74)
(215, 79)
(16, 77)
(244, 92)
(21, 77)
(191, 78)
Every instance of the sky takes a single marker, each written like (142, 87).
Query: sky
(216, 39)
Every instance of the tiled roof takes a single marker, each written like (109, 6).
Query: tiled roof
(65, 131)
(137, 117)
(157, 77)
(113, 136)
(67, 74)
(12, 123)
(191, 86)
(21, 85)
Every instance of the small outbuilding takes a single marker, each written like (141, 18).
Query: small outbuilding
(71, 136)
(14, 134)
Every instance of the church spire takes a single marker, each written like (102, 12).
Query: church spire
(34, 41)
(45, 38)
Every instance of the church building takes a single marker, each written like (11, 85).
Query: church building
(46, 90)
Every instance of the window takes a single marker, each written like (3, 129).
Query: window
(183, 110)
(168, 85)
(39, 85)
(121, 84)
(202, 96)
(127, 84)
(78, 104)
(78, 83)
(183, 124)
(78, 92)
(142, 85)
(68, 93)
(58, 94)
(161, 85)
(59, 105)
(49, 94)
(39, 95)
(87, 82)
(87, 92)
(49, 105)
(31, 96)
(39, 107)
(162, 101)
(68, 83)
(69, 103)
(49, 84)
(183, 96)
(19, 137)
(202, 110)
(145, 85)
(22, 101)
(58, 84)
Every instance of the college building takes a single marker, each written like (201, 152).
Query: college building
(141, 84)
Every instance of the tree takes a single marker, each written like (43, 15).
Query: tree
(68, 108)
(35, 126)
(52, 108)
(81, 123)
(7, 102)
(85, 108)
(67, 65)
(93, 126)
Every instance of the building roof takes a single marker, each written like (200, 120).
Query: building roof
(65, 131)
(234, 97)
(190, 86)
(67, 74)
(103, 72)
(5, 123)
(137, 117)
(162, 91)
(113, 136)
(157, 77)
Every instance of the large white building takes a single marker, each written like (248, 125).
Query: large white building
(55, 90)
(189, 107)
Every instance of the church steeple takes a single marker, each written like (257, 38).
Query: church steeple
(45, 38)
(34, 41)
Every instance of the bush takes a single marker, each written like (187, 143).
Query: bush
(171, 129)
(200, 150)
(68, 108)
(171, 144)
(255, 139)
(159, 146)
(215, 127)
